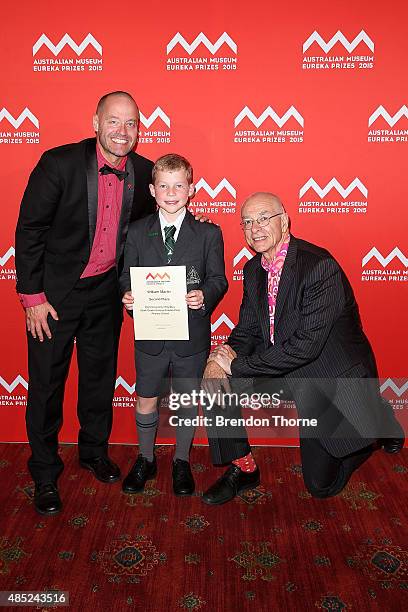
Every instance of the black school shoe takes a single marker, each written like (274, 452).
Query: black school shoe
(141, 471)
(183, 481)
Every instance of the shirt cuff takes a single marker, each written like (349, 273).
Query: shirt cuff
(33, 299)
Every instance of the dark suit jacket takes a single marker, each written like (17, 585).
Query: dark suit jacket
(319, 344)
(57, 220)
(200, 248)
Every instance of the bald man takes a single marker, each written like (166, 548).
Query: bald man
(299, 328)
(70, 238)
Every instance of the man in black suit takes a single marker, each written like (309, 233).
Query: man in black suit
(299, 322)
(70, 239)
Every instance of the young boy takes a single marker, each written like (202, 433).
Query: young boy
(172, 236)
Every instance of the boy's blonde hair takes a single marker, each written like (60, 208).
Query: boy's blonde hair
(171, 163)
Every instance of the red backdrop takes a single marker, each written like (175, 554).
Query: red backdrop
(300, 99)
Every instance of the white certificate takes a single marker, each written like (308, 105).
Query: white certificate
(160, 309)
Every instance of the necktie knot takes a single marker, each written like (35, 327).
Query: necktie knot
(108, 170)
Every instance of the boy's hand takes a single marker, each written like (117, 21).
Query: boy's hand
(195, 299)
(128, 300)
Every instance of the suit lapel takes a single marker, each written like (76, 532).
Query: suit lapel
(127, 202)
(92, 188)
(155, 239)
(286, 278)
(184, 239)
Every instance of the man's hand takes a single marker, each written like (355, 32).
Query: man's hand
(202, 218)
(128, 300)
(195, 299)
(215, 379)
(225, 347)
(36, 320)
(223, 356)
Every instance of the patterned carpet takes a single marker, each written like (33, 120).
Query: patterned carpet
(275, 548)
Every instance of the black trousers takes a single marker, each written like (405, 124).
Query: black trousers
(228, 443)
(92, 313)
(324, 475)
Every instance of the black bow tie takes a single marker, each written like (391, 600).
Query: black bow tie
(108, 170)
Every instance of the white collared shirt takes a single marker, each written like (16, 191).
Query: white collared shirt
(177, 223)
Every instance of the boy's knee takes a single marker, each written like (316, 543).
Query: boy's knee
(146, 405)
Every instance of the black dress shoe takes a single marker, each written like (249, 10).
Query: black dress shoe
(46, 498)
(102, 468)
(392, 445)
(183, 481)
(141, 471)
(232, 482)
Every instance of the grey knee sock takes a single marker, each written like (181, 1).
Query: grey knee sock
(146, 425)
(185, 434)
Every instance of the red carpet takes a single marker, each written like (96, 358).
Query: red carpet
(275, 548)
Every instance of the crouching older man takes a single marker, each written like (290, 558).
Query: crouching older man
(299, 322)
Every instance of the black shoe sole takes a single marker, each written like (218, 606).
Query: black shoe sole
(90, 469)
(224, 501)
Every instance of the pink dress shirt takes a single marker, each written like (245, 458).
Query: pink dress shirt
(103, 252)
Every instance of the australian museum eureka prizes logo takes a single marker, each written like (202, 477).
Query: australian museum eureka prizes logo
(67, 55)
(379, 268)
(201, 54)
(18, 129)
(338, 53)
(266, 125)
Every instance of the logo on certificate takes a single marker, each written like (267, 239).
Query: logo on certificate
(158, 277)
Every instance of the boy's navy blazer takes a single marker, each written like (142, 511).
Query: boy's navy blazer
(200, 248)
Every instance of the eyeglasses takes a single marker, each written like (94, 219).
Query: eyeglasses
(247, 224)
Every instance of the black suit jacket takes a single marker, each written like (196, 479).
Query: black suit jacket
(57, 220)
(319, 344)
(200, 248)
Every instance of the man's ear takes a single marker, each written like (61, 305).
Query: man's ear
(152, 190)
(95, 122)
(284, 223)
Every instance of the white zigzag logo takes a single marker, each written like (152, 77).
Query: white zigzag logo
(338, 37)
(333, 184)
(385, 260)
(19, 380)
(224, 184)
(390, 384)
(10, 253)
(222, 319)
(122, 382)
(147, 121)
(26, 114)
(381, 112)
(268, 112)
(201, 38)
(67, 40)
(243, 253)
